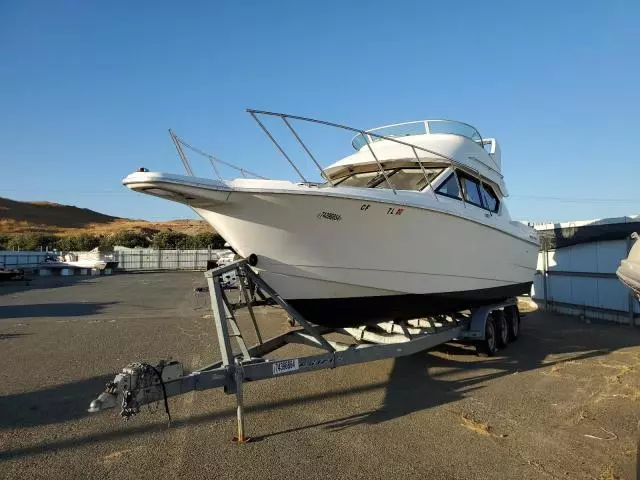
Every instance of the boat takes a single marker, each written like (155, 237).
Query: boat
(93, 260)
(412, 223)
(629, 270)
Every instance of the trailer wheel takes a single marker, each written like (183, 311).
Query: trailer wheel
(488, 347)
(502, 328)
(513, 319)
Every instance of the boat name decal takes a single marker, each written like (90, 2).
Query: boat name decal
(395, 211)
(330, 216)
(365, 206)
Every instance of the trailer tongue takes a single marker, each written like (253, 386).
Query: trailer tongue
(489, 327)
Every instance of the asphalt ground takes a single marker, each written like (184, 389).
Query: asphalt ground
(561, 402)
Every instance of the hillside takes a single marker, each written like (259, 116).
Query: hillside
(46, 217)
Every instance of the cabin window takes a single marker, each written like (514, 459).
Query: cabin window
(399, 178)
(471, 189)
(360, 179)
(489, 198)
(409, 178)
(450, 187)
(475, 192)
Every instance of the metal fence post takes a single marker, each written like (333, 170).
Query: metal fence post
(159, 263)
(140, 259)
(177, 259)
(195, 262)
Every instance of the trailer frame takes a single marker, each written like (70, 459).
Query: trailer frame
(140, 383)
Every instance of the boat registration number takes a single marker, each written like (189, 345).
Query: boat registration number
(285, 366)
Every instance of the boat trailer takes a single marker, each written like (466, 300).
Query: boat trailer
(138, 384)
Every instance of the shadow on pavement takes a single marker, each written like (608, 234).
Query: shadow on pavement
(9, 336)
(42, 283)
(410, 387)
(57, 404)
(44, 310)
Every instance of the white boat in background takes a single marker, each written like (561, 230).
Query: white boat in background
(629, 270)
(93, 260)
(413, 223)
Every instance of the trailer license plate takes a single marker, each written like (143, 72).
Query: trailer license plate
(285, 366)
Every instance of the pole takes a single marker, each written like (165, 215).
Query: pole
(183, 157)
(238, 375)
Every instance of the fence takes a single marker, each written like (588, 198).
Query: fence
(10, 259)
(150, 259)
(581, 280)
(128, 258)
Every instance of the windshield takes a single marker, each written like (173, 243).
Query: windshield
(450, 127)
(399, 178)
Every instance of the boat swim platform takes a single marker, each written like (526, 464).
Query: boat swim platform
(489, 327)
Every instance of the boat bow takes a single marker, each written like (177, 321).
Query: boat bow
(194, 191)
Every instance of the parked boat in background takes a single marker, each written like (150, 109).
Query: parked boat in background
(94, 259)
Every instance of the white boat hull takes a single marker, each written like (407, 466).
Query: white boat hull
(319, 248)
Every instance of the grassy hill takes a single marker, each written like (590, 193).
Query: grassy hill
(46, 217)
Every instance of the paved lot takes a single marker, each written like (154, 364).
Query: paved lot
(562, 402)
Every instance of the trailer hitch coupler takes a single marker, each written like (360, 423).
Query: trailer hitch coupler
(104, 401)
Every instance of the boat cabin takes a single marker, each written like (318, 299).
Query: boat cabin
(447, 156)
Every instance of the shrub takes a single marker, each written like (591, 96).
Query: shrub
(81, 242)
(171, 240)
(206, 240)
(32, 241)
(124, 238)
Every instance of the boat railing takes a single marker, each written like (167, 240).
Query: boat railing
(369, 137)
(422, 127)
(180, 144)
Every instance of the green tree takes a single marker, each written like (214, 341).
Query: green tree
(4, 241)
(171, 240)
(82, 242)
(206, 240)
(125, 238)
(32, 241)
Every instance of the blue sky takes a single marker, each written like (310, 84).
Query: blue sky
(88, 90)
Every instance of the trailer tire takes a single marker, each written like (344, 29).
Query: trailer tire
(488, 347)
(513, 320)
(502, 328)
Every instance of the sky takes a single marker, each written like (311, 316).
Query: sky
(89, 89)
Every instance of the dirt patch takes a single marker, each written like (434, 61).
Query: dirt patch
(472, 424)
(609, 474)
